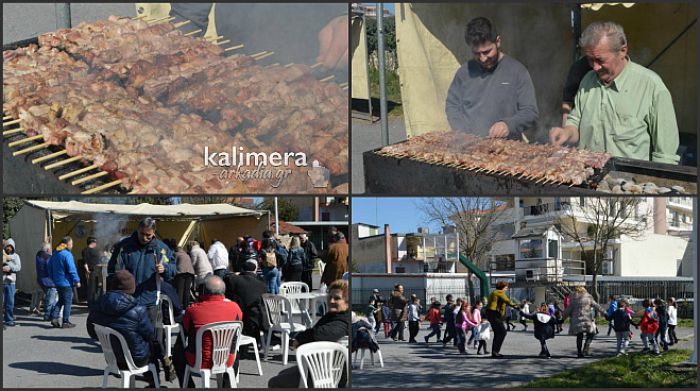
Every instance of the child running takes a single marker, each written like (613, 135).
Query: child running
(466, 325)
(544, 327)
(621, 320)
(448, 318)
(413, 319)
(434, 317)
(372, 314)
(662, 315)
(649, 326)
(672, 321)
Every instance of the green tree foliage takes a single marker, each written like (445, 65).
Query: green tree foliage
(10, 207)
(389, 35)
(286, 209)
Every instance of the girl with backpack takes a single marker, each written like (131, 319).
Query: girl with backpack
(268, 265)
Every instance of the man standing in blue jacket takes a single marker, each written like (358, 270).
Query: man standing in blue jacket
(147, 258)
(63, 274)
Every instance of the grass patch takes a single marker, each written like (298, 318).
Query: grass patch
(393, 90)
(635, 370)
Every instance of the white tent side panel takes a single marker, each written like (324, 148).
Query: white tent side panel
(359, 60)
(29, 230)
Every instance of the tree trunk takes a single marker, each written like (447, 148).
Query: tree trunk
(471, 287)
(596, 268)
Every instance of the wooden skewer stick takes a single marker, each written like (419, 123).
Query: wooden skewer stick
(25, 140)
(325, 79)
(30, 149)
(77, 172)
(102, 187)
(261, 55)
(158, 19)
(343, 84)
(346, 87)
(222, 42)
(180, 24)
(234, 47)
(62, 162)
(6, 117)
(138, 17)
(89, 178)
(49, 156)
(11, 132)
(316, 65)
(214, 38)
(289, 65)
(8, 123)
(193, 32)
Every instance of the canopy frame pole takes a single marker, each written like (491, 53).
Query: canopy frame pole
(382, 80)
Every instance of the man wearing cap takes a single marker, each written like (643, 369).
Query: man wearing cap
(146, 257)
(119, 310)
(246, 289)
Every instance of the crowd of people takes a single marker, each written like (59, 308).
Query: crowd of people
(465, 325)
(203, 287)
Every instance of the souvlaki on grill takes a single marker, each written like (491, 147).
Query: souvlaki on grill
(536, 162)
(143, 101)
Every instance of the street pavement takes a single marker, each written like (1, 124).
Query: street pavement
(367, 136)
(38, 356)
(430, 366)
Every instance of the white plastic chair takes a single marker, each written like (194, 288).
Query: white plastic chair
(247, 340)
(362, 357)
(171, 328)
(295, 287)
(279, 318)
(223, 335)
(103, 334)
(324, 362)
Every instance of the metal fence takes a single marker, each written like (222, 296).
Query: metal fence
(638, 290)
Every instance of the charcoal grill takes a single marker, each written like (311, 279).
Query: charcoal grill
(391, 175)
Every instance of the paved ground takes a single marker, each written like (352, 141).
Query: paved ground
(36, 355)
(367, 136)
(431, 366)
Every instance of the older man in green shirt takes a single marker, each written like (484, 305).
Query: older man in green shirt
(621, 107)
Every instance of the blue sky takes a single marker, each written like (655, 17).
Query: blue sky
(402, 214)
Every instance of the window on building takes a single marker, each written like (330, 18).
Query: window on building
(325, 216)
(531, 248)
(553, 248)
(504, 263)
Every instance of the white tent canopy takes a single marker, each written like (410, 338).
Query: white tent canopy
(61, 210)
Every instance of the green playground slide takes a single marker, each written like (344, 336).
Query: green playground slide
(483, 279)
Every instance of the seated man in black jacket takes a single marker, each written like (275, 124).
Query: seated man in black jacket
(333, 326)
(246, 289)
(119, 310)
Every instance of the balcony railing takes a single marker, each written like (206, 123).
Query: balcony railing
(543, 209)
(548, 270)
